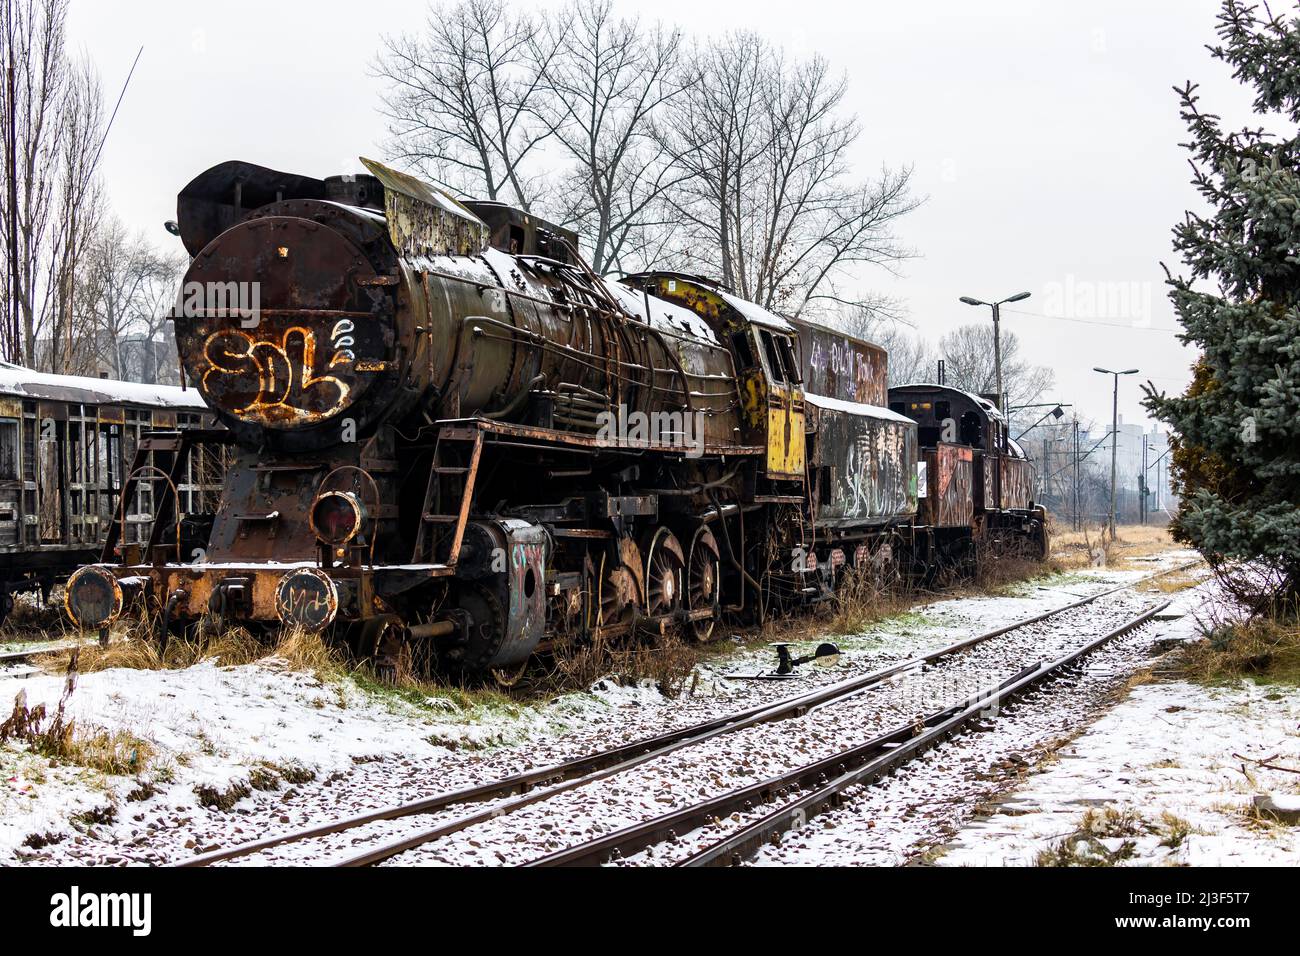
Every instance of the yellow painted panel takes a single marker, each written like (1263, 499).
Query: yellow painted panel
(785, 443)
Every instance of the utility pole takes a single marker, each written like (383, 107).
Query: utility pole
(1142, 484)
(997, 338)
(1114, 438)
(1047, 470)
(1078, 523)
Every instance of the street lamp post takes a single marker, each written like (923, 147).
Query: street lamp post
(997, 337)
(1114, 439)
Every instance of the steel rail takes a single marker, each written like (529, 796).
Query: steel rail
(579, 771)
(9, 656)
(737, 847)
(826, 779)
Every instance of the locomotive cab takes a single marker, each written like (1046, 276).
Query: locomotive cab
(963, 434)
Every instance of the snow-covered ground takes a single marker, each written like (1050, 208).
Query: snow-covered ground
(241, 751)
(1170, 776)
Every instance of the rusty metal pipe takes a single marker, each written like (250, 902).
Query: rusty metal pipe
(432, 629)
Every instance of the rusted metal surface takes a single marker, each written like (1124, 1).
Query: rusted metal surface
(307, 598)
(840, 366)
(949, 500)
(863, 464)
(425, 221)
(1017, 483)
(318, 342)
(65, 443)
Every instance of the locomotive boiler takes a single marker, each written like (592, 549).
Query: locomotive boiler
(451, 444)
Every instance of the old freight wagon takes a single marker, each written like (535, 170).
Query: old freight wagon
(67, 445)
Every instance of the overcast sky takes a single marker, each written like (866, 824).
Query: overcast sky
(1043, 134)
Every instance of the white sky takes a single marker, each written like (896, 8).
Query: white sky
(1044, 135)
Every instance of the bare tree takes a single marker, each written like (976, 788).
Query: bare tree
(78, 208)
(463, 98)
(34, 58)
(769, 199)
(967, 352)
(125, 289)
(606, 78)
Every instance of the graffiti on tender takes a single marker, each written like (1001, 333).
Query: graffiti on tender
(863, 466)
(525, 558)
(278, 373)
(838, 367)
(950, 472)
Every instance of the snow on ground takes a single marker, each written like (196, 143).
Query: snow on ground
(285, 749)
(1173, 756)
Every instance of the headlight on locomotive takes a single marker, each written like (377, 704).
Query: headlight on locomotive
(93, 597)
(337, 517)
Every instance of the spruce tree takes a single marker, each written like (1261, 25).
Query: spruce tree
(1237, 428)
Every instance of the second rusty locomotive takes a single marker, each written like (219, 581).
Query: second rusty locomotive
(450, 440)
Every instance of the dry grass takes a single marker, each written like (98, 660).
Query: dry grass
(29, 620)
(1262, 648)
(669, 663)
(1092, 547)
(1173, 583)
(863, 601)
(308, 651)
(299, 649)
(232, 645)
(57, 736)
(1084, 847)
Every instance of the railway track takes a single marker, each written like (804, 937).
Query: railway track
(861, 763)
(9, 658)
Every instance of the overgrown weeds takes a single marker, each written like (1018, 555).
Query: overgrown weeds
(1262, 647)
(865, 599)
(668, 663)
(56, 735)
(1087, 846)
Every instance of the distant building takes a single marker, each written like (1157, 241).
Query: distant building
(131, 358)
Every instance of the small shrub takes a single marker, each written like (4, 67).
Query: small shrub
(294, 773)
(101, 816)
(143, 790)
(56, 735)
(263, 778)
(1083, 849)
(38, 841)
(1261, 647)
(223, 800)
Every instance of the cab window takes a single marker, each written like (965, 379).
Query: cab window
(774, 370)
(788, 360)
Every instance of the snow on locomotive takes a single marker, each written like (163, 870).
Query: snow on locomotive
(451, 441)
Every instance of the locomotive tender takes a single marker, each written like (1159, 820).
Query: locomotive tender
(451, 442)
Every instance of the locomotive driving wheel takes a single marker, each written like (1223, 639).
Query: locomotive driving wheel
(619, 597)
(703, 581)
(663, 574)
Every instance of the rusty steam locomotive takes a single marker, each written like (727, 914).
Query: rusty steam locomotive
(449, 439)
